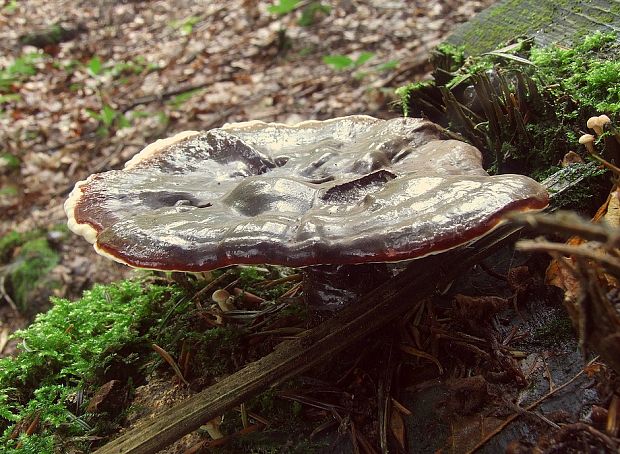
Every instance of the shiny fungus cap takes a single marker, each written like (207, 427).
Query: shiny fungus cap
(348, 190)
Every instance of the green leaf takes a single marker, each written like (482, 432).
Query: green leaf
(363, 58)
(388, 65)
(9, 161)
(93, 114)
(108, 114)
(6, 82)
(123, 122)
(186, 25)
(178, 100)
(310, 13)
(24, 65)
(10, 7)
(10, 98)
(94, 66)
(283, 7)
(140, 114)
(338, 62)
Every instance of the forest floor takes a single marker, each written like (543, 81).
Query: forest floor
(125, 74)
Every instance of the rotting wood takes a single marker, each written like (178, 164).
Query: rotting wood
(291, 358)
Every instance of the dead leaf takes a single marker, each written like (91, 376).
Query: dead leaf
(397, 426)
(612, 216)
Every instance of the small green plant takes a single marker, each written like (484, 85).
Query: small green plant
(388, 65)
(94, 66)
(180, 99)
(311, 12)
(20, 69)
(342, 62)
(283, 7)
(186, 26)
(8, 191)
(109, 119)
(10, 97)
(136, 65)
(9, 162)
(10, 7)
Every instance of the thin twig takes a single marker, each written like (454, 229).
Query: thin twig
(608, 262)
(6, 295)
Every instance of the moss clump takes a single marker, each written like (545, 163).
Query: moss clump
(28, 259)
(555, 331)
(61, 351)
(585, 72)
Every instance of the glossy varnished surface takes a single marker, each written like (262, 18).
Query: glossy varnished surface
(348, 190)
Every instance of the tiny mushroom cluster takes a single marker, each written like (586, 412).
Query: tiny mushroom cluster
(600, 125)
(341, 192)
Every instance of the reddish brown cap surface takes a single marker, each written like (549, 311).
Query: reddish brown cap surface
(347, 190)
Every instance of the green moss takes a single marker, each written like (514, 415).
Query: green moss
(584, 72)
(28, 259)
(62, 349)
(523, 117)
(555, 331)
(29, 269)
(403, 94)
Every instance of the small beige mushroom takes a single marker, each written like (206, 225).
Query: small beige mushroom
(213, 428)
(597, 124)
(571, 158)
(224, 300)
(588, 141)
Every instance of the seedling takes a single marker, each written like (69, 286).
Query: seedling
(109, 119)
(186, 26)
(94, 66)
(342, 62)
(180, 99)
(283, 7)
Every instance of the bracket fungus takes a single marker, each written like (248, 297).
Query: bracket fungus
(345, 191)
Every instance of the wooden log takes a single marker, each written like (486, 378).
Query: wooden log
(547, 22)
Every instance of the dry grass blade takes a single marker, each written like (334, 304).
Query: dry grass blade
(166, 356)
(422, 354)
(4, 337)
(611, 264)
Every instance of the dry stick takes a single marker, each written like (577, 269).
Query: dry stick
(530, 407)
(610, 263)
(293, 357)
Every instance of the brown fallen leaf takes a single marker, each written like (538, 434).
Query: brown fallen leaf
(108, 398)
(397, 426)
